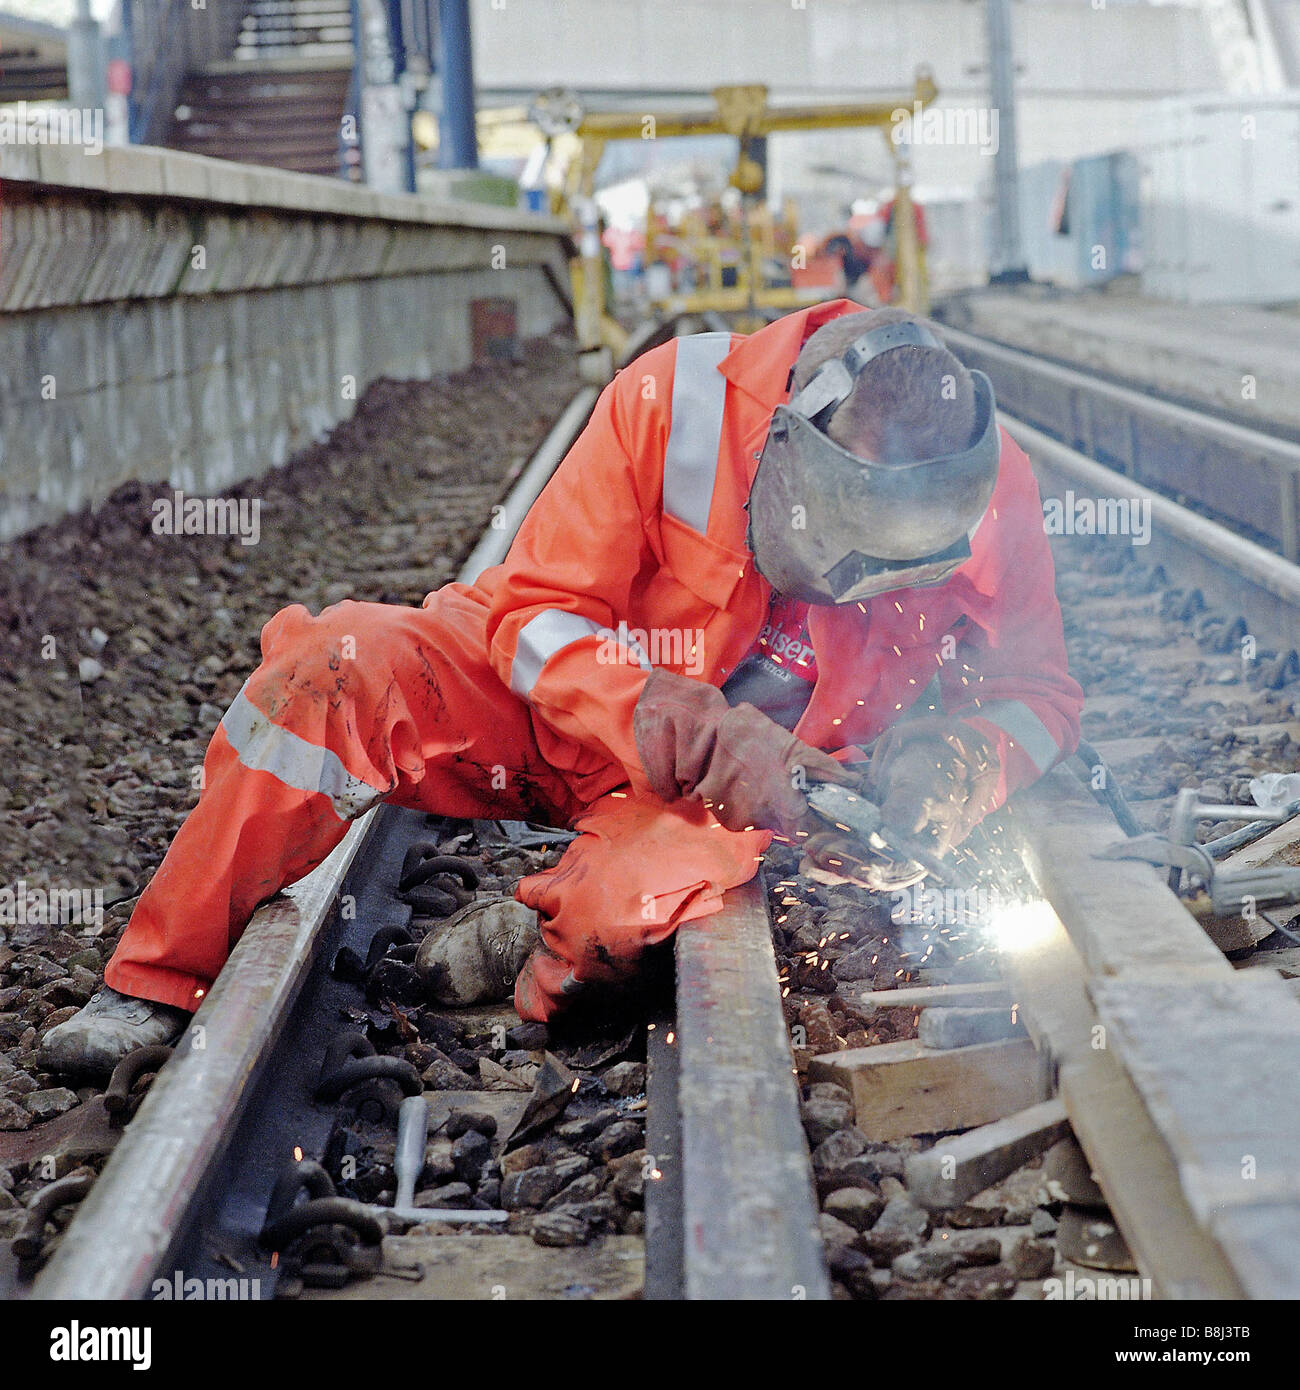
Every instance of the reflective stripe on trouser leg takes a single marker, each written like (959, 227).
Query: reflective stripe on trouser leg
(418, 707)
(638, 869)
(266, 747)
(249, 835)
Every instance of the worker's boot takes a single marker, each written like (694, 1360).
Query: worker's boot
(96, 1038)
(474, 956)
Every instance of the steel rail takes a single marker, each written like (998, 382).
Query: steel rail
(749, 1212)
(1256, 582)
(1169, 1103)
(1244, 475)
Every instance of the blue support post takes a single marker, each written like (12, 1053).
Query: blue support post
(458, 144)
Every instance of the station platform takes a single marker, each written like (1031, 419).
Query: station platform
(1241, 361)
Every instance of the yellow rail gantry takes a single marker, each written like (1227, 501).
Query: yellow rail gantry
(739, 110)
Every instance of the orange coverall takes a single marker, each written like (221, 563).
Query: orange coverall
(513, 697)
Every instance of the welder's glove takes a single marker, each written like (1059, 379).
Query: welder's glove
(745, 767)
(934, 778)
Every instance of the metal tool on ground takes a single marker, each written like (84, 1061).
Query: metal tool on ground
(408, 1160)
(1218, 891)
(894, 860)
(412, 1135)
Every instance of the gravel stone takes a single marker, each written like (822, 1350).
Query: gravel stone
(442, 1075)
(463, 1121)
(983, 1250)
(838, 1148)
(468, 1155)
(1031, 1259)
(1043, 1223)
(451, 1194)
(584, 1127)
(14, 1116)
(525, 1156)
(835, 1232)
(968, 1217)
(902, 1216)
(622, 1137)
(823, 1116)
(857, 965)
(45, 1105)
(625, 1078)
(854, 1270)
(561, 1228)
(930, 1262)
(855, 1206)
(530, 1189)
(629, 1178)
(987, 1283)
(585, 1188)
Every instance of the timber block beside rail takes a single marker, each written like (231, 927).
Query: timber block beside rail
(903, 1088)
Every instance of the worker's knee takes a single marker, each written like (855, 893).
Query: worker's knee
(334, 634)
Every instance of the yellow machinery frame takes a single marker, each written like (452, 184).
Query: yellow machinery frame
(742, 111)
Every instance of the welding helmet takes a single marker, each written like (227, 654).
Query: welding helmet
(865, 527)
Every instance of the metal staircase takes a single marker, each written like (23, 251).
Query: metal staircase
(280, 97)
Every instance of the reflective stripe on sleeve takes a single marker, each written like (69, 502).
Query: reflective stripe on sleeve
(265, 747)
(550, 632)
(1024, 727)
(695, 435)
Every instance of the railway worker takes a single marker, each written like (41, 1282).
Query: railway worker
(722, 586)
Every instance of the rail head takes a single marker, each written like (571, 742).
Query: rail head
(749, 1209)
(130, 1220)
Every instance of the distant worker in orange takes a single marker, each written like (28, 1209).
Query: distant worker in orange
(883, 232)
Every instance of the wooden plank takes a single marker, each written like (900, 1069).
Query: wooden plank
(1133, 1164)
(1136, 1171)
(927, 996)
(957, 1168)
(747, 1194)
(950, 1028)
(902, 1088)
(500, 1267)
(1218, 1068)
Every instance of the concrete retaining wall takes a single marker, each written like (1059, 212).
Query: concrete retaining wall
(164, 316)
